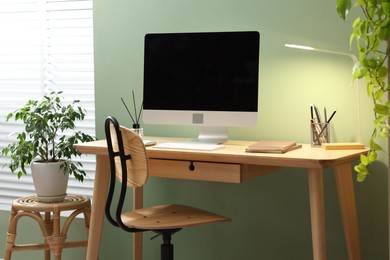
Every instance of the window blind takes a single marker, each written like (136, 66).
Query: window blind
(45, 45)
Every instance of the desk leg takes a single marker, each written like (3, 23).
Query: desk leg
(316, 191)
(346, 193)
(137, 242)
(98, 203)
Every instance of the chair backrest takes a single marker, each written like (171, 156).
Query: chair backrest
(128, 163)
(135, 157)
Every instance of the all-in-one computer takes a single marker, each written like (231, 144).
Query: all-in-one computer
(205, 79)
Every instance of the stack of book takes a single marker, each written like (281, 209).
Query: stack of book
(272, 147)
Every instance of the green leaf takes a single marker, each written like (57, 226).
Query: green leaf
(384, 33)
(372, 156)
(375, 146)
(379, 94)
(364, 159)
(382, 72)
(381, 109)
(362, 172)
(343, 7)
(359, 70)
(361, 168)
(386, 7)
(362, 176)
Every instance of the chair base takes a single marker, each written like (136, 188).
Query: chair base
(166, 246)
(166, 251)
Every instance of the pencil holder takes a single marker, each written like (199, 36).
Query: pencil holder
(320, 133)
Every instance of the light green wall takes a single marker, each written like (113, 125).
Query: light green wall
(270, 214)
(271, 217)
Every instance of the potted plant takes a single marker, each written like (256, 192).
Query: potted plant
(370, 33)
(47, 144)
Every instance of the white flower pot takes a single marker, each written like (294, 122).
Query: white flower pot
(49, 180)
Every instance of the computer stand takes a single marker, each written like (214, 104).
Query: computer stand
(212, 134)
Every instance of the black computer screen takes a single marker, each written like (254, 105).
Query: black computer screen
(208, 71)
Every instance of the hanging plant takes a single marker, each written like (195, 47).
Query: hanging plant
(370, 33)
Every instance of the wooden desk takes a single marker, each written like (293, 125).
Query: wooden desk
(232, 164)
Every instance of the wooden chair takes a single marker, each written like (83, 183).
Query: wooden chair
(129, 164)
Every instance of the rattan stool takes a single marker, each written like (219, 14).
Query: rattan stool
(49, 223)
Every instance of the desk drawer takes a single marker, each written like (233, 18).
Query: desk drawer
(206, 171)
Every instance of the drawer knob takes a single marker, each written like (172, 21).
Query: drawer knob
(192, 166)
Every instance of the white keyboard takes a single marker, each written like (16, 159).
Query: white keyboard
(189, 146)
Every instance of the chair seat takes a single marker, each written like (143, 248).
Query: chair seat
(169, 217)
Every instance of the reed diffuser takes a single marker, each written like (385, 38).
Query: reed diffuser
(135, 117)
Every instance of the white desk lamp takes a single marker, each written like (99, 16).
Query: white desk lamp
(355, 60)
